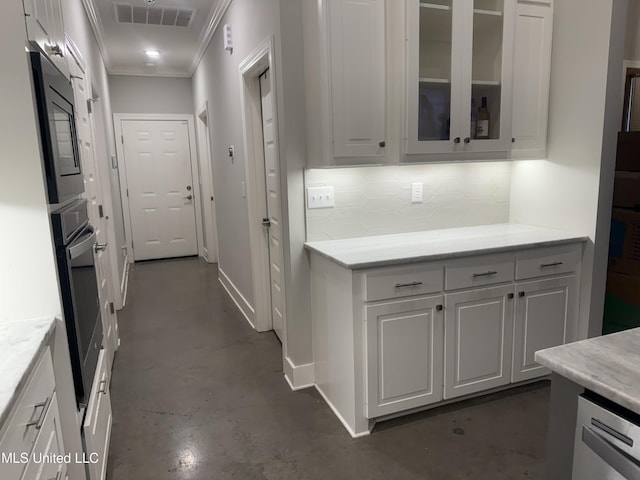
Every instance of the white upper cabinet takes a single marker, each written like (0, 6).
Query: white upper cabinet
(459, 55)
(346, 89)
(356, 32)
(46, 29)
(531, 78)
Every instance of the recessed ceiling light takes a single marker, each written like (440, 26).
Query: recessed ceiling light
(152, 53)
(151, 64)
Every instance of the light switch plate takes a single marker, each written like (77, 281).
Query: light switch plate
(320, 197)
(416, 192)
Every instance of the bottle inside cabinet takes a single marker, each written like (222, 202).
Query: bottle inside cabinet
(483, 124)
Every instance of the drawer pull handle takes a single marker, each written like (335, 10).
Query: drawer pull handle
(102, 388)
(547, 265)
(485, 274)
(58, 476)
(45, 406)
(412, 284)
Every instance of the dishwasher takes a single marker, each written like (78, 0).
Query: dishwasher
(607, 441)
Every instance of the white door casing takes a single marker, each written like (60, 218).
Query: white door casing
(208, 204)
(95, 203)
(273, 216)
(160, 188)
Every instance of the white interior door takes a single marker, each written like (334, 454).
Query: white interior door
(96, 205)
(209, 232)
(160, 187)
(272, 220)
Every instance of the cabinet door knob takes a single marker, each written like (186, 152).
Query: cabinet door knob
(382, 144)
(467, 139)
(439, 308)
(456, 140)
(521, 294)
(510, 296)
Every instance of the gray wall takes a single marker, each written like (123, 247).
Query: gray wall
(632, 44)
(137, 94)
(217, 81)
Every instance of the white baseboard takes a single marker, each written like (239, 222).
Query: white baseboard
(298, 376)
(341, 418)
(124, 283)
(245, 308)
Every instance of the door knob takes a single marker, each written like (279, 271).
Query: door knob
(266, 222)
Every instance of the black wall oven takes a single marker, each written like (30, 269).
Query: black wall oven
(54, 101)
(75, 242)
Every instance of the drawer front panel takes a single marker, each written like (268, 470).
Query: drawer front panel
(28, 419)
(396, 282)
(547, 261)
(479, 271)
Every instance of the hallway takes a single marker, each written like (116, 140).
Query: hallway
(197, 394)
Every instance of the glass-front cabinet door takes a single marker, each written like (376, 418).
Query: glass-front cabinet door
(458, 73)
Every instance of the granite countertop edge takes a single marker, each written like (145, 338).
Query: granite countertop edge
(39, 332)
(604, 365)
(315, 247)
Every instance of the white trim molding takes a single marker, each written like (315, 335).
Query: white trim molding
(215, 17)
(345, 424)
(298, 376)
(124, 284)
(118, 118)
(98, 30)
(248, 312)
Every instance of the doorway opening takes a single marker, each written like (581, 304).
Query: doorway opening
(264, 189)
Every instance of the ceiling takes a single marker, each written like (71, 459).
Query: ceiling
(179, 29)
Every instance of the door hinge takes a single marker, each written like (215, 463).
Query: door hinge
(127, 193)
(112, 309)
(101, 211)
(122, 139)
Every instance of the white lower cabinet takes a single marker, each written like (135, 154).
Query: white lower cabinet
(48, 447)
(478, 339)
(545, 310)
(98, 420)
(404, 348)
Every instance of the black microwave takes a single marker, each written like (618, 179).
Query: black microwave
(56, 121)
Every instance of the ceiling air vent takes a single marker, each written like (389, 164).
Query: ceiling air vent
(152, 15)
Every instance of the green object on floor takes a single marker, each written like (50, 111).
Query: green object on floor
(619, 315)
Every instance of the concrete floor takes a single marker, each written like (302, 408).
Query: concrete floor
(197, 394)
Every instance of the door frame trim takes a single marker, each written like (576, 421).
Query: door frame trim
(204, 157)
(118, 118)
(261, 59)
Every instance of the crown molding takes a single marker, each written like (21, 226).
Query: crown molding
(215, 17)
(98, 31)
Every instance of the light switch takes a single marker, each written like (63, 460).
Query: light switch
(416, 192)
(320, 197)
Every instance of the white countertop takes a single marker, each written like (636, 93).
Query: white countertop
(20, 346)
(607, 365)
(375, 251)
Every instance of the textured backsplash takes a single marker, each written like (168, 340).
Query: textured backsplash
(377, 200)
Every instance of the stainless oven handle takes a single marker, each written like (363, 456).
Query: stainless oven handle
(615, 458)
(87, 244)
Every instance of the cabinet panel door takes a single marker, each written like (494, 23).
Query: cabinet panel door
(39, 19)
(357, 53)
(404, 348)
(478, 340)
(97, 421)
(531, 77)
(544, 309)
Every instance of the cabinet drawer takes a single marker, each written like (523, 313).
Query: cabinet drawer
(44, 464)
(547, 261)
(479, 271)
(395, 282)
(28, 418)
